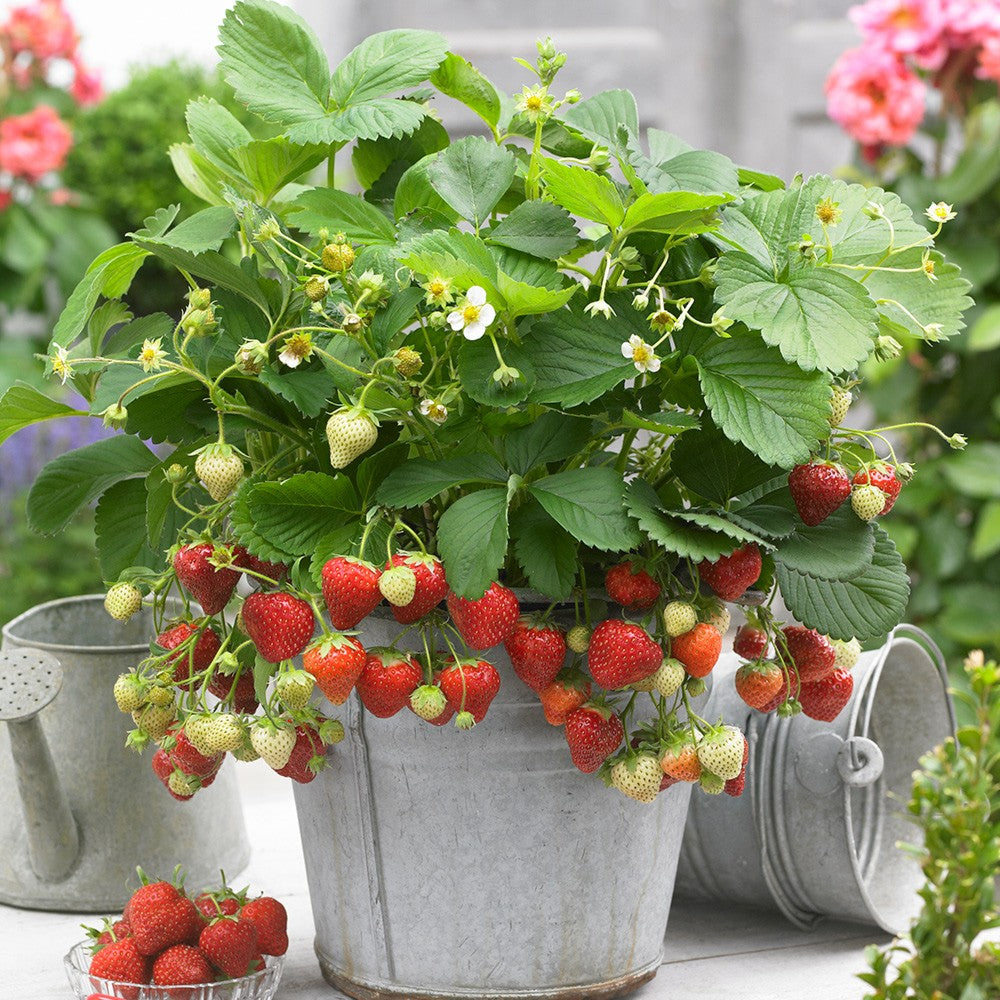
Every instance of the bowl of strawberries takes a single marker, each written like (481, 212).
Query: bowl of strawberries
(217, 945)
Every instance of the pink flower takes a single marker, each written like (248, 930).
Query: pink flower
(872, 94)
(61, 196)
(5, 200)
(34, 143)
(913, 28)
(44, 29)
(86, 87)
(989, 58)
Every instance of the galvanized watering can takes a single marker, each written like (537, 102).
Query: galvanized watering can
(481, 864)
(81, 811)
(815, 832)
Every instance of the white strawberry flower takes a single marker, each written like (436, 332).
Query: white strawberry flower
(296, 349)
(940, 212)
(473, 315)
(152, 355)
(61, 364)
(434, 411)
(641, 354)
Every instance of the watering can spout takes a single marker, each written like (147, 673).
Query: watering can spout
(29, 680)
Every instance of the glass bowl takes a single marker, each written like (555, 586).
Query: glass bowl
(260, 985)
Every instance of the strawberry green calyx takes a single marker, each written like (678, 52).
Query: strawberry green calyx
(350, 432)
(115, 416)
(122, 601)
(711, 784)
(293, 688)
(465, 720)
(220, 469)
(331, 731)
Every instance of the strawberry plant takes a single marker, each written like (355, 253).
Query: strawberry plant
(486, 376)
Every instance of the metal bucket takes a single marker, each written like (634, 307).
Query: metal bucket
(82, 810)
(481, 864)
(815, 833)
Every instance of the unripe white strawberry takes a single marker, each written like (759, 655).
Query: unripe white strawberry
(638, 777)
(154, 720)
(840, 403)
(669, 676)
(721, 752)
(273, 744)
(182, 784)
(679, 617)
(214, 733)
(645, 685)
(294, 688)
(428, 701)
(720, 617)
(847, 653)
(128, 693)
(350, 433)
(398, 585)
(220, 469)
(578, 638)
(867, 501)
(245, 752)
(122, 601)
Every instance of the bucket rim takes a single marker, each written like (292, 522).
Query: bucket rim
(9, 631)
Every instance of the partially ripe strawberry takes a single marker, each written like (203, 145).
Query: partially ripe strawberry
(183, 754)
(470, 686)
(758, 682)
(621, 653)
(813, 654)
(883, 476)
(735, 786)
(279, 624)
(428, 702)
(387, 681)
(698, 649)
(790, 686)
(536, 652)
(826, 698)
(336, 661)
(430, 589)
(593, 733)
(197, 654)
(564, 695)
(750, 642)
(485, 621)
(210, 587)
(818, 489)
(631, 587)
(680, 761)
(164, 770)
(730, 576)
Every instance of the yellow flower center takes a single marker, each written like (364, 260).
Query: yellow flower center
(470, 313)
(642, 354)
(299, 345)
(929, 266)
(437, 288)
(533, 102)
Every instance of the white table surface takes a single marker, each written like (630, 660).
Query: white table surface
(712, 952)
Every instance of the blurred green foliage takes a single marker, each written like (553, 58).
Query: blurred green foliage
(120, 159)
(946, 522)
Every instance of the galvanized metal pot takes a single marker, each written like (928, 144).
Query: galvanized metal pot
(481, 864)
(81, 810)
(814, 834)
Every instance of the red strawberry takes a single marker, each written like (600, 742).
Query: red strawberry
(698, 649)
(789, 689)
(350, 590)
(631, 587)
(487, 620)
(210, 587)
(182, 965)
(564, 695)
(470, 685)
(536, 651)
(336, 661)
(734, 786)
(593, 733)
(387, 681)
(271, 920)
(621, 653)
(121, 962)
(196, 656)
(160, 916)
(813, 654)
(272, 570)
(230, 944)
(883, 476)
(242, 689)
(182, 754)
(818, 489)
(758, 683)
(825, 699)
(215, 904)
(432, 587)
(730, 576)
(279, 624)
(307, 756)
(750, 642)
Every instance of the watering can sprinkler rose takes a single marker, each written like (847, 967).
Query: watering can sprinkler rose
(544, 398)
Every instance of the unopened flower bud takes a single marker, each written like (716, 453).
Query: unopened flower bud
(268, 230)
(115, 416)
(199, 298)
(887, 348)
(372, 282)
(572, 96)
(628, 255)
(176, 473)
(438, 319)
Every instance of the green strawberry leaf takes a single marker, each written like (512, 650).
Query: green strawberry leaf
(339, 211)
(472, 175)
(23, 405)
(422, 479)
(837, 549)
(545, 552)
(539, 228)
(472, 541)
(458, 78)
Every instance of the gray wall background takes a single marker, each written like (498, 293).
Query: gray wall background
(741, 76)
